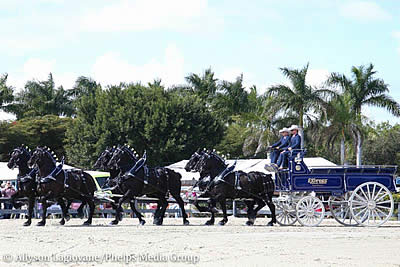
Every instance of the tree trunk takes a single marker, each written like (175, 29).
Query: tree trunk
(342, 151)
(261, 145)
(359, 150)
(301, 132)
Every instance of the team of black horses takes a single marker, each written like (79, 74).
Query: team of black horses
(41, 178)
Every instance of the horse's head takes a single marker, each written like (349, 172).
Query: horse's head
(19, 157)
(211, 162)
(193, 162)
(122, 156)
(42, 156)
(104, 159)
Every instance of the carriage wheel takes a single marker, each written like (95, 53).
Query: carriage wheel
(285, 212)
(310, 211)
(340, 209)
(371, 204)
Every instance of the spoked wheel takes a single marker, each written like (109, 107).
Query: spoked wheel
(310, 211)
(371, 204)
(340, 209)
(285, 212)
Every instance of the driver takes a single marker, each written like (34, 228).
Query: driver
(283, 142)
(295, 143)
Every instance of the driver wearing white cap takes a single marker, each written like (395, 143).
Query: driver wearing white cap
(283, 142)
(295, 143)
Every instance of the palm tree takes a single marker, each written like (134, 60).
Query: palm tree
(300, 98)
(6, 92)
(342, 125)
(363, 89)
(204, 86)
(41, 98)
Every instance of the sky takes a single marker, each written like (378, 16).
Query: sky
(121, 40)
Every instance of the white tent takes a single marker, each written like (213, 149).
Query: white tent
(247, 165)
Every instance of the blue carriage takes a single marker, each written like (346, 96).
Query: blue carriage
(356, 195)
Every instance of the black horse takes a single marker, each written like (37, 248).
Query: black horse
(153, 182)
(26, 180)
(128, 159)
(55, 183)
(256, 188)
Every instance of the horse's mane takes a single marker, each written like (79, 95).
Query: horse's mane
(24, 150)
(50, 153)
(130, 151)
(218, 157)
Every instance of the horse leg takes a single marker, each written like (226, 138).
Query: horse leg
(164, 205)
(271, 207)
(81, 215)
(44, 212)
(250, 212)
(119, 209)
(260, 205)
(211, 206)
(64, 210)
(91, 210)
(181, 204)
(222, 202)
(31, 204)
(115, 207)
(12, 200)
(137, 213)
(157, 212)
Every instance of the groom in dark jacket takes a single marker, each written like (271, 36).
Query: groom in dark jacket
(295, 143)
(277, 147)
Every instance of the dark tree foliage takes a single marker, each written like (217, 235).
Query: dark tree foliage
(48, 131)
(382, 145)
(168, 125)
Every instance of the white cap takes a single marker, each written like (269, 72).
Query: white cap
(294, 127)
(284, 130)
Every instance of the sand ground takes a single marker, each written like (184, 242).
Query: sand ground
(197, 245)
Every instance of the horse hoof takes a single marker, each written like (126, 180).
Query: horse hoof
(270, 224)
(41, 223)
(249, 223)
(87, 223)
(222, 223)
(67, 218)
(209, 223)
(27, 223)
(142, 222)
(158, 223)
(62, 222)
(186, 222)
(114, 222)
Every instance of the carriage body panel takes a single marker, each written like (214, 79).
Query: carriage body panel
(335, 180)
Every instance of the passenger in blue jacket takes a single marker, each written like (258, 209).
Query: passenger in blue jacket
(295, 143)
(277, 147)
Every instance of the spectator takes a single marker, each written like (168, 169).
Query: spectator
(8, 191)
